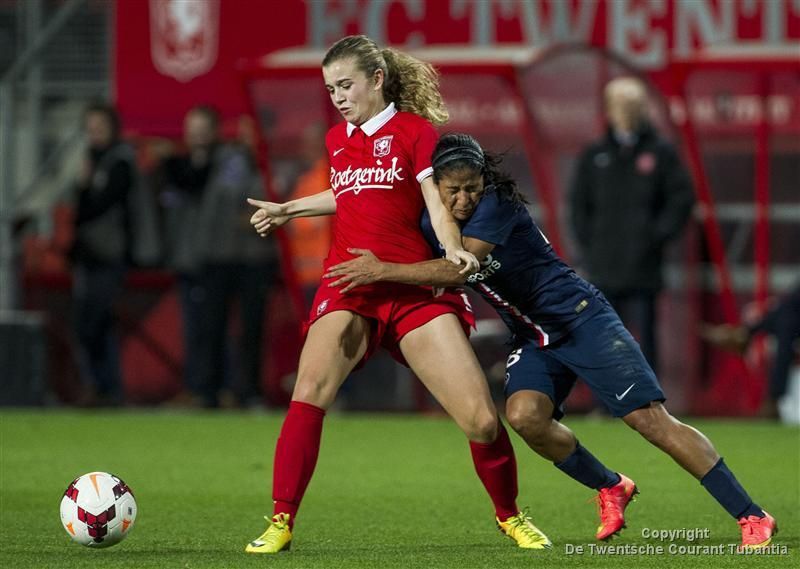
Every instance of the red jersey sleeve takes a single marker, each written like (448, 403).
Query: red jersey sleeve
(423, 150)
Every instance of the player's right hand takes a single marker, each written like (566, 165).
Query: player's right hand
(459, 256)
(268, 217)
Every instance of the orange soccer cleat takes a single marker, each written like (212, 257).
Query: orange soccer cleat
(611, 504)
(757, 532)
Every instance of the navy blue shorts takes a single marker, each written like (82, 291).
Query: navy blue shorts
(601, 352)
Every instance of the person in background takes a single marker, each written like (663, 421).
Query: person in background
(183, 181)
(310, 237)
(782, 322)
(630, 196)
(218, 260)
(101, 252)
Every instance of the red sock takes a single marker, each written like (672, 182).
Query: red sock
(296, 456)
(497, 468)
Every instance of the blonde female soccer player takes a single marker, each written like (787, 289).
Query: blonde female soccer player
(380, 185)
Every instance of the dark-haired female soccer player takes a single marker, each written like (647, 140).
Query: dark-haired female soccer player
(563, 329)
(380, 184)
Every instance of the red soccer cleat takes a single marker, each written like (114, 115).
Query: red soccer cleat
(757, 532)
(611, 504)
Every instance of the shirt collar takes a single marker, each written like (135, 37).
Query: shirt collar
(374, 124)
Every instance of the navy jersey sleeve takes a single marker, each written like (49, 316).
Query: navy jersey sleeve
(493, 221)
(430, 234)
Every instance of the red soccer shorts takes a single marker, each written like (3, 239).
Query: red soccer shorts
(392, 309)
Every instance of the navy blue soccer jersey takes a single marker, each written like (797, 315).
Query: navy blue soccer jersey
(536, 294)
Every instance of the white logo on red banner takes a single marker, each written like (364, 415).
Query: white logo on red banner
(184, 37)
(382, 147)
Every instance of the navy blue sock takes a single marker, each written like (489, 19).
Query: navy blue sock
(722, 484)
(586, 469)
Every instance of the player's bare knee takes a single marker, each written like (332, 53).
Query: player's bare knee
(532, 427)
(483, 427)
(647, 423)
(314, 388)
(528, 416)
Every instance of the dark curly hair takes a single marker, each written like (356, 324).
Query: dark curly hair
(456, 151)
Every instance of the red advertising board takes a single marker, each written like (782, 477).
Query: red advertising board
(172, 54)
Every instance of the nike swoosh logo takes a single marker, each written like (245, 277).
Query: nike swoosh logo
(338, 151)
(93, 478)
(624, 393)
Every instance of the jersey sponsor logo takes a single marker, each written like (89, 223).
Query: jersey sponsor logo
(358, 179)
(491, 266)
(382, 146)
(322, 306)
(184, 37)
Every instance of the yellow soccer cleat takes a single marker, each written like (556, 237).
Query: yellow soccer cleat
(520, 528)
(278, 536)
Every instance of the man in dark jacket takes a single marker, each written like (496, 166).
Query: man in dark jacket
(218, 259)
(629, 197)
(101, 251)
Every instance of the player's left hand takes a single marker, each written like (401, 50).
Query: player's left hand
(459, 256)
(268, 217)
(364, 269)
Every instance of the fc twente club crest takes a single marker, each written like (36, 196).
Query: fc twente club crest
(184, 37)
(382, 146)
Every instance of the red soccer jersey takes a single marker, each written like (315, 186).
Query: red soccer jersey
(376, 171)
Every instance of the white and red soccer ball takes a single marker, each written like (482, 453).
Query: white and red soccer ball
(98, 510)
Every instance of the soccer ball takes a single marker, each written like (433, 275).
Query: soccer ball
(98, 510)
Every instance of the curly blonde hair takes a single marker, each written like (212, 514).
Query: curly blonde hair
(412, 85)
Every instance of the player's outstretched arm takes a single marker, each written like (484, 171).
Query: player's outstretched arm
(366, 269)
(269, 216)
(446, 229)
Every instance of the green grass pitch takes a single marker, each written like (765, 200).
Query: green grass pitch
(389, 491)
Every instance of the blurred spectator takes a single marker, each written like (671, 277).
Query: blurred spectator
(310, 237)
(101, 251)
(630, 195)
(782, 322)
(218, 258)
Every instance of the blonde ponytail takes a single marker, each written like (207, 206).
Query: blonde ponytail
(413, 86)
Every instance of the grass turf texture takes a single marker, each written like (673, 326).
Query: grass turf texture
(389, 491)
